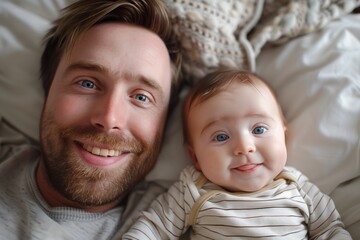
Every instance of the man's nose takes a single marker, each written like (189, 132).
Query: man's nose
(110, 113)
(244, 145)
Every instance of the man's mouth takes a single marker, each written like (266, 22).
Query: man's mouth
(101, 151)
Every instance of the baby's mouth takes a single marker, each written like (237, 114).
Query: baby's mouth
(248, 167)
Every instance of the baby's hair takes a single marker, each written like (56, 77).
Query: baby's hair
(214, 83)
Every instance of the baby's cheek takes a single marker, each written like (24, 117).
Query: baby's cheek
(281, 153)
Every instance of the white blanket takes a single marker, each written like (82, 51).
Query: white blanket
(317, 79)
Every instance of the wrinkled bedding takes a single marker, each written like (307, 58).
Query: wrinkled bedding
(312, 65)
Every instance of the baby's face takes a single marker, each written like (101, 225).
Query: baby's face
(238, 137)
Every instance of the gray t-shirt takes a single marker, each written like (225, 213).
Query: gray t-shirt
(24, 214)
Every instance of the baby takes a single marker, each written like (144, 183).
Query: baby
(238, 186)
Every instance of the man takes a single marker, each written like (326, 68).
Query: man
(109, 71)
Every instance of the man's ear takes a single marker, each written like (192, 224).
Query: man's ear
(193, 157)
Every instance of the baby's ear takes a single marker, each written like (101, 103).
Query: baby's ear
(285, 129)
(193, 157)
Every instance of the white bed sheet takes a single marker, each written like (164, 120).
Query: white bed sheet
(317, 79)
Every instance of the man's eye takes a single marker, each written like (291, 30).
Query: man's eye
(87, 84)
(221, 137)
(141, 97)
(259, 130)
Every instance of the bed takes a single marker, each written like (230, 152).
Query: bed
(309, 51)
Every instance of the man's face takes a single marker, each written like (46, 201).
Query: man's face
(104, 116)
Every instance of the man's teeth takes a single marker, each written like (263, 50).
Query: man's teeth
(101, 151)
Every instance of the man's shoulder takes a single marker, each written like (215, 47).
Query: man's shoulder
(13, 142)
(21, 154)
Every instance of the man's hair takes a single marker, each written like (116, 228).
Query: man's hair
(214, 83)
(84, 14)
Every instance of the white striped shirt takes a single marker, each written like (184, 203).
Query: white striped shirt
(289, 208)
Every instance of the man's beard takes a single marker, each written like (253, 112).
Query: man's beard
(88, 185)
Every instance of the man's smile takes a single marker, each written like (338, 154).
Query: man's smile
(101, 151)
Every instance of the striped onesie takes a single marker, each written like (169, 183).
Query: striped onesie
(288, 208)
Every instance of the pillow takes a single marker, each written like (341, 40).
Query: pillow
(213, 33)
(23, 23)
(284, 20)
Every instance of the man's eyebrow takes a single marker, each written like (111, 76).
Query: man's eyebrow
(145, 80)
(150, 83)
(85, 66)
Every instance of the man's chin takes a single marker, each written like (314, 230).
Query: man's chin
(96, 186)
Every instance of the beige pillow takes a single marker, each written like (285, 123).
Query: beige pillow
(284, 20)
(213, 33)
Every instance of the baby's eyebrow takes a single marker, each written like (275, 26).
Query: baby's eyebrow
(258, 115)
(261, 116)
(209, 124)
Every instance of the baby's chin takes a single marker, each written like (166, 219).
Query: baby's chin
(250, 187)
(247, 189)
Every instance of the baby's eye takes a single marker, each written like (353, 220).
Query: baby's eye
(87, 84)
(259, 130)
(221, 137)
(141, 97)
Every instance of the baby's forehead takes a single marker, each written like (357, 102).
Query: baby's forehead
(265, 91)
(241, 80)
(260, 88)
(251, 81)
(256, 88)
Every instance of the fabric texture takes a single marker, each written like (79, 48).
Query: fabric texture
(213, 33)
(233, 32)
(284, 20)
(282, 210)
